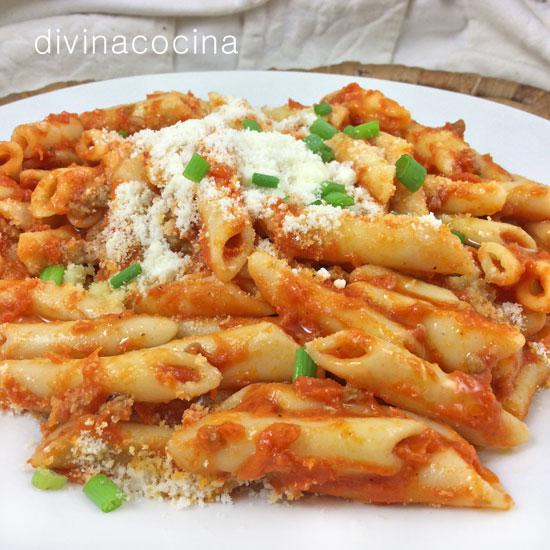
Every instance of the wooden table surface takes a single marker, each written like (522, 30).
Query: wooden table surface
(521, 96)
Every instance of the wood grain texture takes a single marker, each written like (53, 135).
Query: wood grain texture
(521, 96)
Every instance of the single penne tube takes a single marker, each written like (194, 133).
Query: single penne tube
(442, 150)
(63, 448)
(56, 132)
(38, 249)
(531, 376)
(260, 352)
(402, 379)
(228, 236)
(334, 448)
(393, 280)
(110, 335)
(479, 198)
(374, 172)
(405, 202)
(307, 307)
(540, 232)
(407, 243)
(11, 159)
(35, 298)
(366, 105)
(526, 200)
(533, 289)
(29, 178)
(153, 375)
(534, 321)
(201, 296)
(480, 344)
(500, 266)
(481, 231)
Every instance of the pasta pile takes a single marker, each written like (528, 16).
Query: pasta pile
(198, 295)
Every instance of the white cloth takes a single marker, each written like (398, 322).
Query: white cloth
(501, 38)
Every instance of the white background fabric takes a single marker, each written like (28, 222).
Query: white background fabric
(502, 38)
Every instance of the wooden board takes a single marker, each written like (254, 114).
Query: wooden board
(521, 96)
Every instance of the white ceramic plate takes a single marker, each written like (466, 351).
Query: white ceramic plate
(33, 519)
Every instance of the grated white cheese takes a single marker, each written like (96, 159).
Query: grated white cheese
(323, 273)
(430, 219)
(312, 223)
(542, 351)
(296, 122)
(340, 284)
(75, 274)
(514, 314)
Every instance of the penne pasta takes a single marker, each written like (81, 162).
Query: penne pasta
(201, 296)
(398, 242)
(322, 448)
(500, 266)
(109, 335)
(400, 378)
(154, 375)
(11, 159)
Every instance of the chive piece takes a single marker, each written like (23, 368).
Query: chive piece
(410, 173)
(323, 129)
(105, 494)
(316, 202)
(331, 187)
(366, 131)
(53, 273)
(48, 480)
(326, 153)
(336, 198)
(349, 131)
(322, 109)
(460, 235)
(126, 275)
(249, 124)
(265, 180)
(316, 145)
(123, 133)
(196, 168)
(303, 365)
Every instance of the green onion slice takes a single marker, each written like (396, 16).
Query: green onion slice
(349, 131)
(410, 173)
(123, 133)
(196, 168)
(368, 130)
(337, 198)
(323, 129)
(331, 187)
(53, 273)
(322, 109)
(249, 124)
(460, 235)
(316, 202)
(265, 180)
(48, 480)
(303, 365)
(126, 275)
(105, 494)
(316, 145)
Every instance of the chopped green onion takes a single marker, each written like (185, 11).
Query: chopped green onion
(264, 180)
(316, 145)
(410, 173)
(303, 365)
(126, 275)
(196, 168)
(323, 129)
(394, 212)
(48, 480)
(350, 131)
(336, 198)
(460, 235)
(316, 202)
(322, 109)
(249, 124)
(123, 133)
(331, 187)
(53, 273)
(105, 494)
(368, 130)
